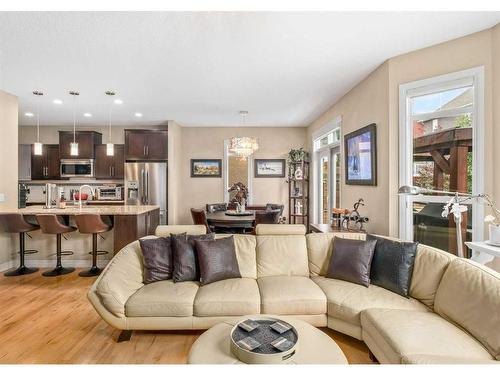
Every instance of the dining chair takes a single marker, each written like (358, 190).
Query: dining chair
(216, 207)
(275, 206)
(200, 218)
(266, 217)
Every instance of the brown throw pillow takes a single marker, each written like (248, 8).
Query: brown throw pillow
(217, 260)
(157, 253)
(351, 260)
(185, 259)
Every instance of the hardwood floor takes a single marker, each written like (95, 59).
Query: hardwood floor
(49, 320)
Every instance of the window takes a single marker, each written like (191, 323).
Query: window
(326, 171)
(236, 169)
(441, 149)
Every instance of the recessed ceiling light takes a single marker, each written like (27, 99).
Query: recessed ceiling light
(137, 114)
(29, 114)
(57, 101)
(86, 114)
(118, 101)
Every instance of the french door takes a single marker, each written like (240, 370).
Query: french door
(441, 148)
(329, 182)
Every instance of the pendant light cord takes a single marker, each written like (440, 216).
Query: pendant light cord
(74, 118)
(38, 120)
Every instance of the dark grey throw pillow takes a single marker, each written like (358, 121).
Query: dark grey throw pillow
(184, 257)
(351, 260)
(157, 254)
(392, 265)
(217, 260)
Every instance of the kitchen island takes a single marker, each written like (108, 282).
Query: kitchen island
(130, 222)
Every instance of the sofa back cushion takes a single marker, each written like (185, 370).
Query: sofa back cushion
(167, 230)
(282, 255)
(428, 270)
(469, 296)
(319, 249)
(245, 246)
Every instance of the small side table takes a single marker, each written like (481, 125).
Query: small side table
(482, 252)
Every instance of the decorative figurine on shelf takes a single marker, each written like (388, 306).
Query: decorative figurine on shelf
(298, 175)
(296, 192)
(337, 214)
(353, 220)
(239, 196)
(298, 208)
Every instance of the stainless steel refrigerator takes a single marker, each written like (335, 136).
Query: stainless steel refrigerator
(146, 184)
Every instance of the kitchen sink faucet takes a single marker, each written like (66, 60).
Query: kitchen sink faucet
(80, 193)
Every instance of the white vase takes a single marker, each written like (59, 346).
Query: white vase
(494, 234)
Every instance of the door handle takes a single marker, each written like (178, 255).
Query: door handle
(144, 150)
(143, 183)
(147, 187)
(112, 170)
(147, 150)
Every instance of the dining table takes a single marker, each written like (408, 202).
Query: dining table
(229, 219)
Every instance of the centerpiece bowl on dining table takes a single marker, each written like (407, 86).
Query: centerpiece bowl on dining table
(236, 213)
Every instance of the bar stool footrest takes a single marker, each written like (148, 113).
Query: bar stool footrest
(28, 252)
(67, 252)
(99, 252)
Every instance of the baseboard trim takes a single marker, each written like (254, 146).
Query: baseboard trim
(7, 265)
(47, 263)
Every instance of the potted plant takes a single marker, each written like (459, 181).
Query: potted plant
(295, 156)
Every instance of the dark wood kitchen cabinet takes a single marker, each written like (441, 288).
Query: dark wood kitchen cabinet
(109, 166)
(45, 166)
(86, 141)
(146, 145)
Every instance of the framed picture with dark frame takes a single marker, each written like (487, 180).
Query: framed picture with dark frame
(269, 167)
(360, 151)
(206, 167)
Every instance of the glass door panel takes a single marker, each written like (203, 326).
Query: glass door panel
(324, 193)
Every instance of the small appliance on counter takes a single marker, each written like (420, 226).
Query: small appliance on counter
(109, 193)
(51, 195)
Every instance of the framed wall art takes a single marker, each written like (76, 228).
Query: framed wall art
(360, 148)
(206, 167)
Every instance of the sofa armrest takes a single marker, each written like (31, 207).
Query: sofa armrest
(121, 278)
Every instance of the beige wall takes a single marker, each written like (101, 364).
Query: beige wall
(8, 166)
(208, 143)
(174, 170)
(366, 103)
(376, 99)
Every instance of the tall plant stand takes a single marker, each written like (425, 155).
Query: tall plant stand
(298, 193)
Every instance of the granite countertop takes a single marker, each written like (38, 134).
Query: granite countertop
(75, 210)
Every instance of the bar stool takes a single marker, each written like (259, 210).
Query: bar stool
(50, 224)
(15, 223)
(92, 224)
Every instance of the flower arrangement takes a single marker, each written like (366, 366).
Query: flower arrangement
(295, 156)
(495, 218)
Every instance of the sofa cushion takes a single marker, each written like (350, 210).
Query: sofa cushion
(290, 295)
(217, 260)
(392, 334)
(428, 270)
(157, 256)
(351, 260)
(431, 359)
(163, 298)
(469, 295)
(347, 300)
(280, 230)
(232, 297)
(319, 249)
(282, 255)
(392, 264)
(245, 246)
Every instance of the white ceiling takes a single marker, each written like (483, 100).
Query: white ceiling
(200, 69)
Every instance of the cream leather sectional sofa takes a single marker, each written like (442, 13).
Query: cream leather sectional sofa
(452, 316)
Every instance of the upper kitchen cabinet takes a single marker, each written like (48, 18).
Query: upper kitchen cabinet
(45, 166)
(86, 141)
(146, 145)
(109, 166)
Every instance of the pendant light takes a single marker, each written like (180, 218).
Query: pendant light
(73, 145)
(37, 146)
(110, 147)
(243, 147)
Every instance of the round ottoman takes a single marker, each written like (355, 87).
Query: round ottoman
(315, 347)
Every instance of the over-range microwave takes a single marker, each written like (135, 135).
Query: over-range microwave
(77, 168)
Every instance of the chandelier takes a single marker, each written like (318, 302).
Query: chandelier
(243, 147)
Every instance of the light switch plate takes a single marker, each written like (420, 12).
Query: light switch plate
(2, 197)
